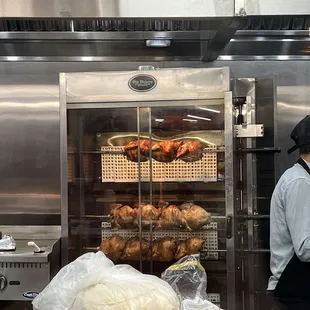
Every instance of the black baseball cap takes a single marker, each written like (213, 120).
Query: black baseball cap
(301, 134)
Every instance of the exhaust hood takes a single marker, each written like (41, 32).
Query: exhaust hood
(115, 39)
(127, 30)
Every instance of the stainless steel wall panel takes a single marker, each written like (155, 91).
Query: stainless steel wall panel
(149, 8)
(29, 144)
(63, 167)
(116, 8)
(274, 7)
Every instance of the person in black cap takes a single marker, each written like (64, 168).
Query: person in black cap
(290, 229)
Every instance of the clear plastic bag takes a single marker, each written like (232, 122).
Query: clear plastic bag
(189, 280)
(93, 282)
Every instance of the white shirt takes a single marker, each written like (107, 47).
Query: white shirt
(289, 221)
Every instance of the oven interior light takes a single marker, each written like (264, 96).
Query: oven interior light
(209, 110)
(198, 117)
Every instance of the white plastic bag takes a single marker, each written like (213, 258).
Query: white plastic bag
(93, 282)
(189, 280)
(198, 304)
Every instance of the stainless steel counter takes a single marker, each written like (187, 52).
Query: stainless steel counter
(25, 253)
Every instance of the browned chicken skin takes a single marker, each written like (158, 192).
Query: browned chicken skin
(123, 216)
(163, 249)
(131, 150)
(113, 247)
(144, 145)
(171, 217)
(115, 206)
(148, 213)
(195, 216)
(190, 151)
(165, 151)
(188, 247)
(162, 204)
(188, 215)
(132, 249)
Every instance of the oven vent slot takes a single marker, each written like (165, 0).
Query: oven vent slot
(20, 265)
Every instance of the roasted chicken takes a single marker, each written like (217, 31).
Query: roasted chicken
(190, 151)
(113, 247)
(163, 249)
(165, 151)
(132, 249)
(188, 215)
(188, 247)
(131, 150)
(123, 216)
(162, 204)
(148, 213)
(171, 217)
(195, 216)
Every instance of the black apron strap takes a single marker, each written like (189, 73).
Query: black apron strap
(294, 283)
(303, 164)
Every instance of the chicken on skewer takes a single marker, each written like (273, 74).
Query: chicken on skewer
(188, 247)
(131, 150)
(195, 216)
(163, 249)
(165, 151)
(171, 217)
(132, 249)
(190, 151)
(113, 247)
(123, 216)
(148, 214)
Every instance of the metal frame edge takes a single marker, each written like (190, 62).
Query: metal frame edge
(63, 168)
